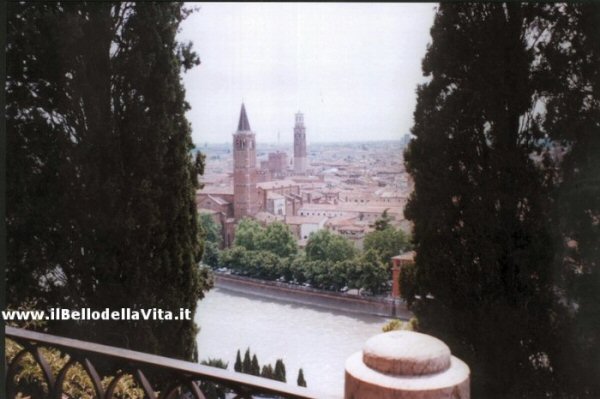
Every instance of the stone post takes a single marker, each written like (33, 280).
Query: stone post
(406, 365)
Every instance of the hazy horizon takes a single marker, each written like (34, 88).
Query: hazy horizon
(291, 143)
(351, 68)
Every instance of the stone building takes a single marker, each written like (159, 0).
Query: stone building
(303, 227)
(289, 189)
(277, 164)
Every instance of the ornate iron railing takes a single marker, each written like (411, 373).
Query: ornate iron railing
(178, 379)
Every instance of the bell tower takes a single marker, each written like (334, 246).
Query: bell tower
(300, 160)
(245, 197)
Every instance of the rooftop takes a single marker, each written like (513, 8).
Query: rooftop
(269, 185)
(305, 219)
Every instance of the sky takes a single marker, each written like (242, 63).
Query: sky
(351, 68)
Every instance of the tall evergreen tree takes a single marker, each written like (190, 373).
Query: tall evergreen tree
(247, 363)
(101, 208)
(267, 371)
(300, 380)
(570, 73)
(280, 371)
(238, 362)
(480, 207)
(254, 366)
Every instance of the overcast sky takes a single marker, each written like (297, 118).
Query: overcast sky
(352, 69)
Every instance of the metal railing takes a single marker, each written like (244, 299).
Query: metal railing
(183, 379)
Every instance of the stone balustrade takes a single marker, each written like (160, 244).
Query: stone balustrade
(406, 365)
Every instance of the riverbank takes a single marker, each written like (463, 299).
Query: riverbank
(385, 307)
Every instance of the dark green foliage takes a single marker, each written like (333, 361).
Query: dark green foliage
(219, 363)
(328, 247)
(254, 366)
(279, 239)
(247, 363)
(365, 271)
(276, 238)
(267, 372)
(387, 242)
(408, 283)
(211, 254)
(259, 264)
(480, 207)
(570, 71)
(101, 194)
(372, 275)
(248, 234)
(210, 389)
(238, 362)
(331, 261)
(280, 373)
(300, 380)
(233, 258)
(210, 229)
(383, 222)
(265, 265)
(251, 366)
(297, 269)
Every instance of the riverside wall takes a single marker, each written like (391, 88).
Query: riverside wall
(385, 307)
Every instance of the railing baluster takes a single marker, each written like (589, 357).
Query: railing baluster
(46, 370)
(169, 391)
(113, 384)
(91, 370)
(11, 373)
(195, 390)
(57, 389)
(150, 394)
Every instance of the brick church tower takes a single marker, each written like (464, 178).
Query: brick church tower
(245, 197)
(300, 160)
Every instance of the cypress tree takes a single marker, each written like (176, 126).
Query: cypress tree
(480, 206)
(569, 70)
(255, 367)
(247, 363)
(300, 380)
(280, 371)
(267, 371)
(238, 362)
(101, 202)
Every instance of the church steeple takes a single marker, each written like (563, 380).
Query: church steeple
(243, 124)
(245, 195)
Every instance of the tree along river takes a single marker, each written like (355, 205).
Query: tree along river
(316, 340)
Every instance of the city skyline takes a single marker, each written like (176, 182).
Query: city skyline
(352, 69)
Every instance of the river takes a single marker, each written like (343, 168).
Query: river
(318, 341)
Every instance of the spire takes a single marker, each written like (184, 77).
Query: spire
(243, 125)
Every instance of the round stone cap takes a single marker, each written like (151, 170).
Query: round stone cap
(406, 353)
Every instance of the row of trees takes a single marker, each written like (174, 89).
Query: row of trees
(506, 207)
(251, 366)
(328, 262)
(101, 185)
